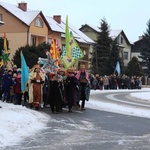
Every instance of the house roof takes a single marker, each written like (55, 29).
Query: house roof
(25, 16)
(113, 33)
(28, 16)
(54, 25)
(60, 27)
(79, 35)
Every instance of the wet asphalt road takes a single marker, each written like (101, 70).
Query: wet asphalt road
(90, 130)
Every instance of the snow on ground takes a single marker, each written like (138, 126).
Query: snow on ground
(18, 122)
(144, 94)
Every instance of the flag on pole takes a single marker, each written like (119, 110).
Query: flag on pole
(118, 68)
(76, 53)
(24, 73)
(67, 39)
(5, 44)
(53, 48)
(71, 52)
(57, 53)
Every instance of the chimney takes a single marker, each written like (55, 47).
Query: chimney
(57, 18)
(23, 6)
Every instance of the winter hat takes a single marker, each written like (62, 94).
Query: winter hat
(70, 70)
(18, 70)
(14, 66)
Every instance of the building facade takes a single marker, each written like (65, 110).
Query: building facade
(24, 26)
(117, 35)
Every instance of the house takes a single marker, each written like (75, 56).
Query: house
(136, 48)
(117, 35)
(22, 26)
(26, 26)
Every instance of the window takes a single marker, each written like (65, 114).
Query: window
(125, 55)
(33, 40)
(1, 19)
(63, 47)
(121, 40)
(49, 40)
(39, 22)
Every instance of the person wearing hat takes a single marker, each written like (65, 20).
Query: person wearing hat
(14, 69)
(84, 86)
(35, 85)
(2, 70)
(71, 89)
(62, 76)
(6, 85)
(54, 94)
(17, 88)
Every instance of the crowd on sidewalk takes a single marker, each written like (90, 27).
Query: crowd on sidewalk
(115, 82)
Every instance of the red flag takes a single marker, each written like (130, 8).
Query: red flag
(53, 49)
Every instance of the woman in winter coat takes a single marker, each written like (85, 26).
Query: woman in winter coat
(84, 85)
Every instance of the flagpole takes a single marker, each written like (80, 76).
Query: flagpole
(114, 70)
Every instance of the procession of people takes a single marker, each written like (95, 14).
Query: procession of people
(62, 89)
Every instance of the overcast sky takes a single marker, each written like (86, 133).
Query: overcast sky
(129, 15)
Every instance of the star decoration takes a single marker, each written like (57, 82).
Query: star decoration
(5, 57)
(48, 62)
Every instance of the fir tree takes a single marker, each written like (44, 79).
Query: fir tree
(145, 50)
(105, 52)
(113, 59)
(134, 68)
(31, 54)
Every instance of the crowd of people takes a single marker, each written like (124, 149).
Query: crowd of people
(57, 90)
(115, 82)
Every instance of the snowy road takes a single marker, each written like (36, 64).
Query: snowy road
(123, 98)
(92, 129)
(95, 129)
(122, 102)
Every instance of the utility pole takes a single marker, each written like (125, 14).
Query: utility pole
(96, 60)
